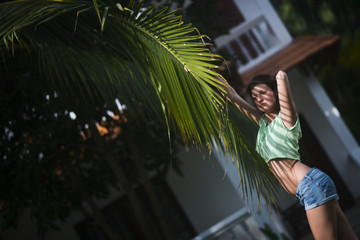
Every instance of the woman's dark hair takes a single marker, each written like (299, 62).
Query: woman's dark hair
(264, 79)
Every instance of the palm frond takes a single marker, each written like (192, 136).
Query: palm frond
(141, 56)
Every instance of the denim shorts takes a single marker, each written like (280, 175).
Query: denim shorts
(315, 189)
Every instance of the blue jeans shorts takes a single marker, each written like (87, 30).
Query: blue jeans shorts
(315, 189)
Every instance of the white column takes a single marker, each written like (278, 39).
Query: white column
(274, 20)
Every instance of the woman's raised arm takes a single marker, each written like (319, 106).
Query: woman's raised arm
(287, 105)
(245, 108)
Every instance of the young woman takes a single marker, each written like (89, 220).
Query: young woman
(277, 143)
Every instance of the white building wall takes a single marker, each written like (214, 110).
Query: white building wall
(265, 7)
(262, 215)
(203, 192)
(251, 9)
(262, 27)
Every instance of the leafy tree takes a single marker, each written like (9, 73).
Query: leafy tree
(42, 152)
(91, 53)
(52, 164)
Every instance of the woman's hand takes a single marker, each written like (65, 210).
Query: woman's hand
(229, 91)
(281, 76)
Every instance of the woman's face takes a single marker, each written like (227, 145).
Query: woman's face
(264, 98)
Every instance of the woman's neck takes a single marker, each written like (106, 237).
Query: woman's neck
(271, 116)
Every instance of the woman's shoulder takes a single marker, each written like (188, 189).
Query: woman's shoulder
(290, 127)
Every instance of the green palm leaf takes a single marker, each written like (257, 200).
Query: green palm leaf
(99, 51)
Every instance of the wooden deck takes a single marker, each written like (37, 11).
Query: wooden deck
(300, 49)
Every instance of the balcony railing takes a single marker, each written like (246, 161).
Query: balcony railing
(239, 225)
(250, 43)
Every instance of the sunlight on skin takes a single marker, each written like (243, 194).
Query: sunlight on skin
(245, 108)
(326, 221)
(288, 179)
(287, 104)
(265, 100)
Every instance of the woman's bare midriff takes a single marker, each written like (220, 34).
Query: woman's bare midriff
(289, 172)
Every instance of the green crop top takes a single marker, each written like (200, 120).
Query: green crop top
(277, 141)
